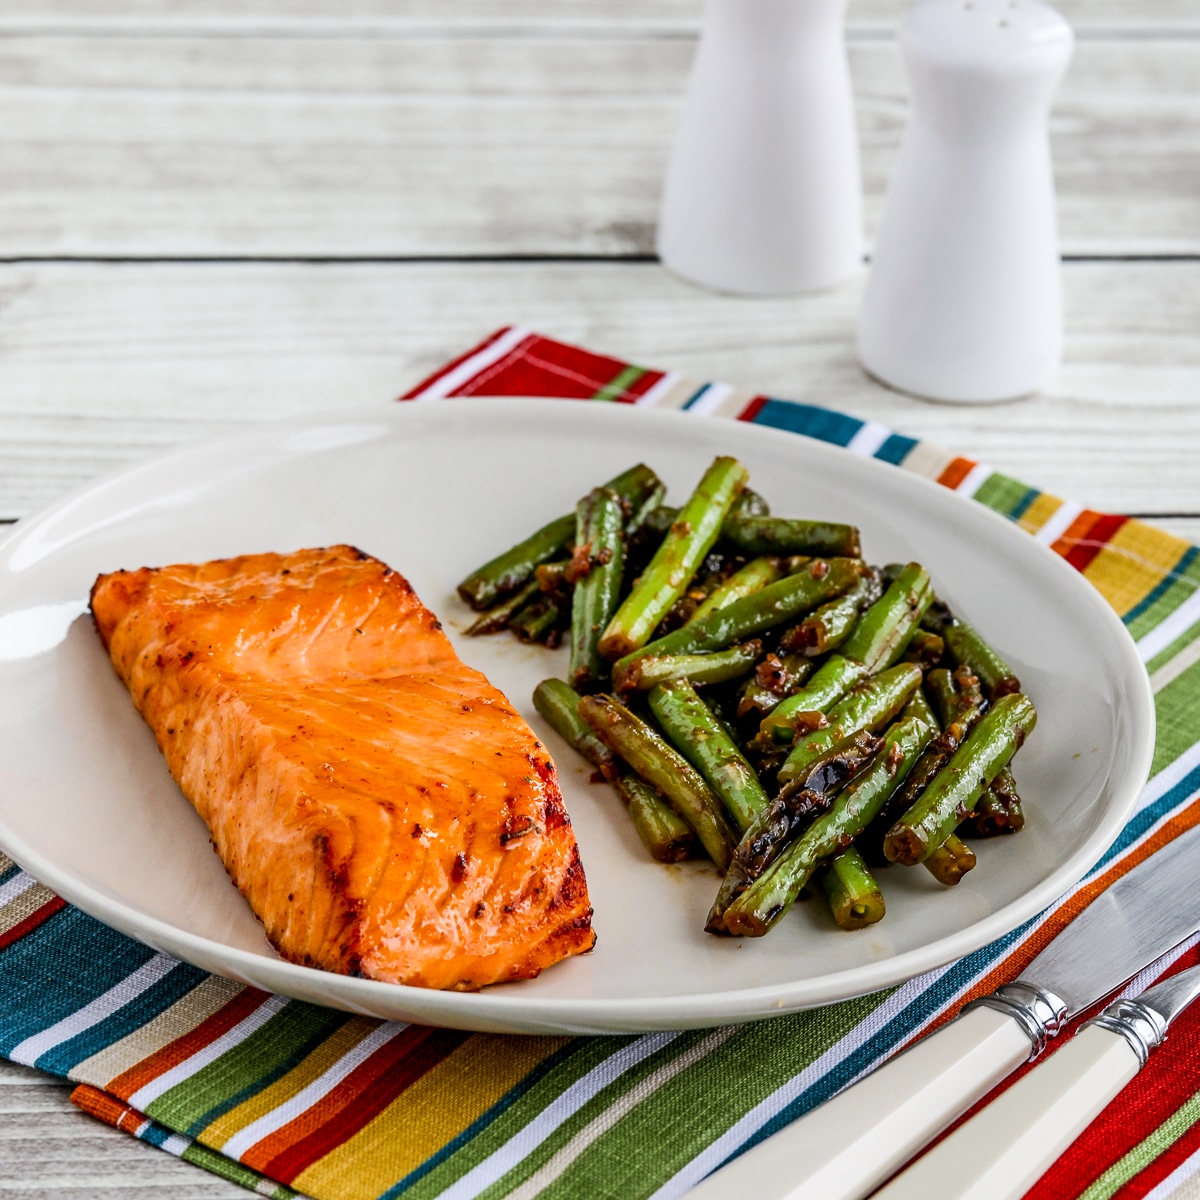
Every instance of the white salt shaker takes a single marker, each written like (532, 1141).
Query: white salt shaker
(964, 296)
(762, 194)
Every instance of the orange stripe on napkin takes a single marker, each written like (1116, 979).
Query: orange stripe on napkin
(106, 1108)
(956, 472)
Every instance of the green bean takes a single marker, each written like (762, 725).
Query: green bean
(645, 671)
(967, 647)
(955, 693)
(558, 702)
(872, 704)
(761, 904)
(753, 577)
(553, 579)
(779, 535)
(785, 817)
(925, 649)
(638, 487)
(515, 567)
(500, 615)
(959, 712)
(536, 620)
(951, 861)
(883, 631)
(659, 520)
(704, 742)
(641, 492)
(831, 624)
(783, 673)
(939, 616)
(748, 504)
(834, 678)
(596, 567)
(664, 833)
(754, 700)
(999, 810)
(855, 898)
(918, 707)
(957, 787)
(773, 605)
(629, 737)
(675, 561)
(939, 684)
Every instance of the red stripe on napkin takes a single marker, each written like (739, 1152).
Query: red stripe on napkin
(1088, 535)
(182, 1048)
(1167, 1081)
(454, 363)
(357, 1100)
(31, 922)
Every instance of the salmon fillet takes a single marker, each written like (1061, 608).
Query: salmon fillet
(383, 808)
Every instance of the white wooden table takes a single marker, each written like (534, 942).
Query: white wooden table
(214, 212)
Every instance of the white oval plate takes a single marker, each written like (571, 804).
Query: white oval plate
(87, 806)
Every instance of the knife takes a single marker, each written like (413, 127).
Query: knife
(850, 1144)
(1006, 1147)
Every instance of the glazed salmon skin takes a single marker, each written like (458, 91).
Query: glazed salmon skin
(383, 808)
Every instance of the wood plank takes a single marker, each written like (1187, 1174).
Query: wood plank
(1187, 528)
(103, 364)
(49, 1150)
(444, 145)
(233, 16)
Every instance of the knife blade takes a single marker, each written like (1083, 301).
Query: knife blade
(850, 1144)
(1138, 919)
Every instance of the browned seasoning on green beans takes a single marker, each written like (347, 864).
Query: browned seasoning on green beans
(758, 694)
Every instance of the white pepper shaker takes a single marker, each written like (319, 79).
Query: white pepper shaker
(964, 297)
(763, 194)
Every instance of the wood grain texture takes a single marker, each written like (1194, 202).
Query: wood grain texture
(473, 145)
(103, 364)
(49, 1150)
(1187, 528)
(298, 15)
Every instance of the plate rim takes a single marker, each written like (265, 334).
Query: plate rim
(495, 1011)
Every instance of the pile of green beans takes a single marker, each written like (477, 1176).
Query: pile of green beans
(756, 693)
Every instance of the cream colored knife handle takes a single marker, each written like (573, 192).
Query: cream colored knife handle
(1003, 1150)
(847, 1146)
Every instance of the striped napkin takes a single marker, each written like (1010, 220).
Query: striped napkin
(284, 1097)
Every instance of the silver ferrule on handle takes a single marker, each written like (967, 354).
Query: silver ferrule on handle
(1038, 1011)
(1137, 1023)
(1143, 1022)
